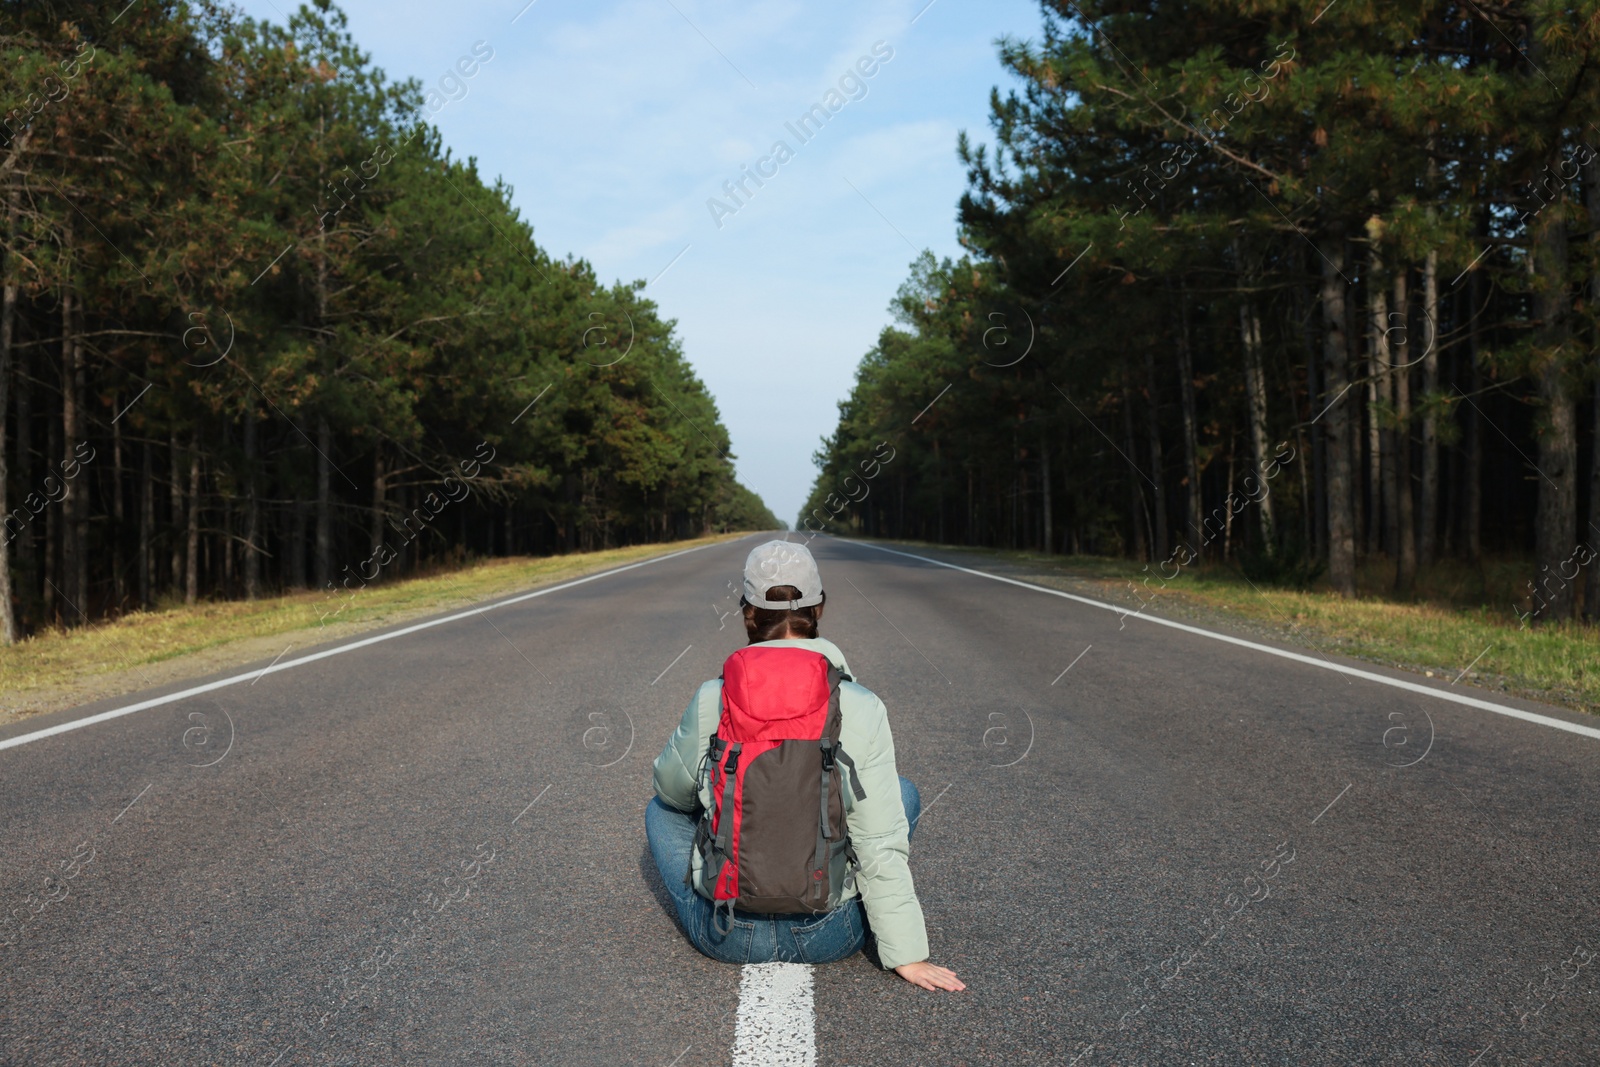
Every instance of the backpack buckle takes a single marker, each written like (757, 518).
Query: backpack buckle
(827, 754)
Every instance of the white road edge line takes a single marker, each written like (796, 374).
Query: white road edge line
(155, 702)
(777, 1022)
(1310, 661)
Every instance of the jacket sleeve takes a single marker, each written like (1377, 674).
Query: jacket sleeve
(677, 768)
(881, 837)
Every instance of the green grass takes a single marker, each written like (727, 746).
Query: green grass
(63, 668)
(1459, 622)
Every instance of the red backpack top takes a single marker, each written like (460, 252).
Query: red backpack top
(774, 839)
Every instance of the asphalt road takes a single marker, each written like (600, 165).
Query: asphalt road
(1166, 849)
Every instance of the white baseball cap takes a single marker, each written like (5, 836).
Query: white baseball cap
(781, 563)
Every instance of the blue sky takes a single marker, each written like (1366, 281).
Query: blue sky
(616, 121)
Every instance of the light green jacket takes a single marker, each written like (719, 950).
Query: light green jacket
(877, 824)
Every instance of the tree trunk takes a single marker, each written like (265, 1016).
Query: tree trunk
(1405, 515)
(297, 545)
(175, 454)
(899, 525)
(147, 515)
(1472, 482)
(323, 559)
(1380, 393)
(1556, 520)
(252, 512)
(225, 543)
(1317, 506)
(1377, 535)
(1019, 484)
(1157, 463)
(970, 523)
(1227, 518)
(52, 529)
(25, 543)
(1591, 536)
(1255, 379)
(1355, 333)
(1557, 516)
(1044, 481)
(1317, 539)
(25, 582)
(1194, 503)
(1305, 450)
(119, 578)
(1336, 373)
(67, 460)
(1135, 494)
(191, 574)
(8, 309)
(324, 553)
(79, 530)
(380, 492)
(1428, 512)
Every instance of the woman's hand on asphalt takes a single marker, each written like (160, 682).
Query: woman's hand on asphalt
(929, 976)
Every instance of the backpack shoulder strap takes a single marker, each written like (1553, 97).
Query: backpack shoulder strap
(844, 760)
(832, 750)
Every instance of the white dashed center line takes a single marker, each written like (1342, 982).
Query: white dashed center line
(777, 1025)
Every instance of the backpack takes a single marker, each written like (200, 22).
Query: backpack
(774, 839)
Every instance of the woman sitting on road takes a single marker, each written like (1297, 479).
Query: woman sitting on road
(780, 825)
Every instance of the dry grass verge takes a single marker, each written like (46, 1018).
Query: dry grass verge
(65, 668)
(1441, 632)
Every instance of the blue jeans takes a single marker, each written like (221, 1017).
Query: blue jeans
(755, 939)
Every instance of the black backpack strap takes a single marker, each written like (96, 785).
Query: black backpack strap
(820, 863)
(720, 848)
(833, 754)
(722, 910)
(830, 754)
(836, 720)
(730, 770)
(853, 868)
(702, 826)
(855, 779)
